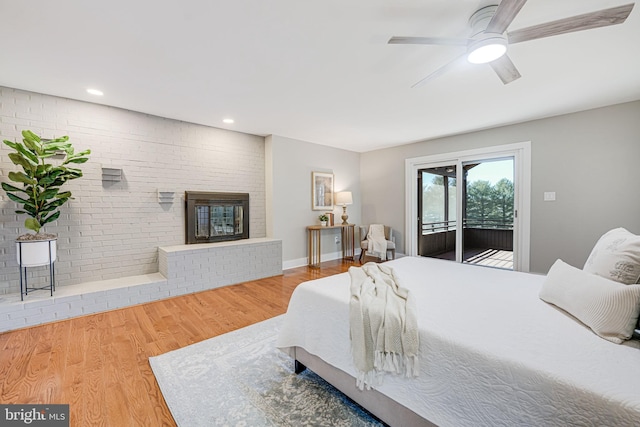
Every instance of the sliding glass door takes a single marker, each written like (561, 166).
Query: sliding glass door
(437, 209)
(471, 222)
(488, 213)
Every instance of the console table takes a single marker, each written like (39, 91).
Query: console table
(314, 234)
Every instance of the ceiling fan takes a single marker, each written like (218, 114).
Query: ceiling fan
(489, 39)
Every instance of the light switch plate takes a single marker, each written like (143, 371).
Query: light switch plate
(549, 196)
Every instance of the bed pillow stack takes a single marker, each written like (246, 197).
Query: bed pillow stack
(616, 256)
(604, 295)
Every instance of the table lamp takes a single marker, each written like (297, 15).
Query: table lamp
(344, 198)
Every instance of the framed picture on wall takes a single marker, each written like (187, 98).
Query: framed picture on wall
(322, 189)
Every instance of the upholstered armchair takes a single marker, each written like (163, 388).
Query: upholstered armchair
(388, 235)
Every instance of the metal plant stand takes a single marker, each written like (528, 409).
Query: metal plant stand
(24, 285)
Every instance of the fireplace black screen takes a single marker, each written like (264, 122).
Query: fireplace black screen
(216, 217)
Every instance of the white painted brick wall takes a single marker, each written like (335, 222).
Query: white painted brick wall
(113, 230)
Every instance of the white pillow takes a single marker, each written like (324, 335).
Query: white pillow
(616, 256)
(609, 308)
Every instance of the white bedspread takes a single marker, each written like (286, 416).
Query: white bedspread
(491, 352)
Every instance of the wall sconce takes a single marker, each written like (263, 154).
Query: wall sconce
(165, 196)
(111, 174)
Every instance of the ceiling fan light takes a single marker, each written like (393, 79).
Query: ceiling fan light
(486, 50)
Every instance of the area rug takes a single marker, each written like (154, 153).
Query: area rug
(241, 379)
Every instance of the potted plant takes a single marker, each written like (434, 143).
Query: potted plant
(40, 194)
(323, 219)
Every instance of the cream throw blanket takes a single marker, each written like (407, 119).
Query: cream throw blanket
(383, 323)
(376, 242)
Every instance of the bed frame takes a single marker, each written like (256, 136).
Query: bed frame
(384, 408)
(466, 379)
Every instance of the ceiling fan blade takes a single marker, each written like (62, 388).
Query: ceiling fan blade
(429, 40)
(505, 69)
(600, 18)
(505, 14)
(449, 65)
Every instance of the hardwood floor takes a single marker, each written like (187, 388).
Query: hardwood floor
(98, 364)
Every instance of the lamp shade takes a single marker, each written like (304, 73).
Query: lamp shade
(344, 198)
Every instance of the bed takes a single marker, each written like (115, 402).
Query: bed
(491, 352)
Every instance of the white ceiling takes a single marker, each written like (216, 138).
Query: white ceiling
(318, 71)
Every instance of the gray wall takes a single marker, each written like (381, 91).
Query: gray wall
(590, 159)
(289, 166)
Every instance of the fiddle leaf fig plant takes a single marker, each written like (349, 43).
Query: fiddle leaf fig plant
(40, 194)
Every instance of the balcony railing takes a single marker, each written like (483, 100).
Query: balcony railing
(438, 226)
(479, 234)
(492, 223)
(482, 223)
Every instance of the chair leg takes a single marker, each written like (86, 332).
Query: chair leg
(361, 255)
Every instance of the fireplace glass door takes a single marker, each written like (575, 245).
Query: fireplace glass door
(216, 217)
(218, 220)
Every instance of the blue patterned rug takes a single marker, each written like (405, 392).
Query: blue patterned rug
(241, 379)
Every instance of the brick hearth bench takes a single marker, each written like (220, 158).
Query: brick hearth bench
(183, 269)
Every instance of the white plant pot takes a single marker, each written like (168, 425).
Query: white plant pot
(33, 253)
(323, 223)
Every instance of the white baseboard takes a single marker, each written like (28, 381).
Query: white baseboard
(301, 262)
(294, 263)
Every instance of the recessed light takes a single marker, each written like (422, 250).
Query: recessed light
(95, 92)
(228, 121)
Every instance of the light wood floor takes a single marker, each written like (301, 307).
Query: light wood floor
(98, 364)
